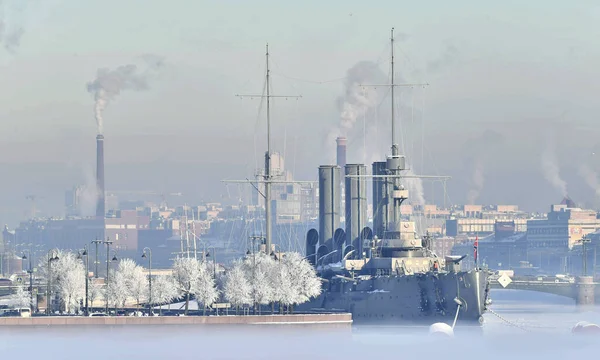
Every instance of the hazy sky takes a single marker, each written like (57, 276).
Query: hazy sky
(525, 73)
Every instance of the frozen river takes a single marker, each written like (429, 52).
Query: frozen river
(539, 328)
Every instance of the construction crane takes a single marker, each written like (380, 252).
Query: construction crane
(32, 198)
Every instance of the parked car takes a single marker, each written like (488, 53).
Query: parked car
(97, 314)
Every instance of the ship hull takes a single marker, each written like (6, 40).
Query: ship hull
(409, 299)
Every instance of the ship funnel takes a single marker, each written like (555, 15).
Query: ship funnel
(339, 238)
(312, 240)
(356, 206)
(329, 204)
(380, 199)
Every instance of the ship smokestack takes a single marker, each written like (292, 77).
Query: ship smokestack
(380, 204)
(356, 207)
(100, 204)
(341, 151)
(329, 204)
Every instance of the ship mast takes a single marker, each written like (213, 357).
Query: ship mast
(268, 176)
(395, 163)
(394, 144)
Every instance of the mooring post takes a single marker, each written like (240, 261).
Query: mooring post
(585, 289)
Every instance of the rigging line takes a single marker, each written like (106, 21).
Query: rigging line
(423, 130)
(310, 81)
(400, 122)
(257, 122)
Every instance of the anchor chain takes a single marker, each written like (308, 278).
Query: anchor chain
(511, 323)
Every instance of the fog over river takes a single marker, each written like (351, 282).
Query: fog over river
(535, 326)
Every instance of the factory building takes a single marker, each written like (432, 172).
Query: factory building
(563, 228)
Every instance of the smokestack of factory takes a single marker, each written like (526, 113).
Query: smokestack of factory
(100, 204)
(341, 151)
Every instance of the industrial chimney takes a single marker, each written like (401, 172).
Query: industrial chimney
(100, 204)
(341, 151)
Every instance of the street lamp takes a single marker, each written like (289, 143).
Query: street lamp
(30, 272)
(51, 258)
(214, 257)
(107, 242)
(584, 242)
(149, 277)
(97, 243)
(81, 254)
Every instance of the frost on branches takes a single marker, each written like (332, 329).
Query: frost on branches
(67, 277)
(186, 272)
(136, 283)
(290, 280)
(305, 282)
(21, 298)
(95, 292)
(236, 287)
(257, 268)
(164, 290)
(128, 281)
(206, 292)
(194, 278)
(117, 289)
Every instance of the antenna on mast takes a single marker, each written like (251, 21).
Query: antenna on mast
(267, 177)
(394, 144)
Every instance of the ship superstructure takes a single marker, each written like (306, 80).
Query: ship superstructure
(388, 273)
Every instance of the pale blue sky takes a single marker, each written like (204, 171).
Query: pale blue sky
(515, 62)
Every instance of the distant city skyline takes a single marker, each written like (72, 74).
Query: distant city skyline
(524, 72)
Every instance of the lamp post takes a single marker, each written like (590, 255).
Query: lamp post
(584, 242)
(51, 258)
(107, 242)
(30, 272)
(81, 254)
(214, 257)
(149, 256)
(97, 243)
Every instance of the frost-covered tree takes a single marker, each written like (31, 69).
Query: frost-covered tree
(95, 292)
(186, 272)
(282, 282)
(206, 291)
(21, 298)
(118, 292)
(236, 286)
(135, 279)
(164, 290)
(257, 267)
(68, 280)
(305, 283)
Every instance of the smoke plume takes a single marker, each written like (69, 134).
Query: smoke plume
(551, 168)
(447, 57)
(357, 100)
(477, 180)
(415, 188)
(590, 177)
(11, 23)
(89, 193)
(109, 83)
